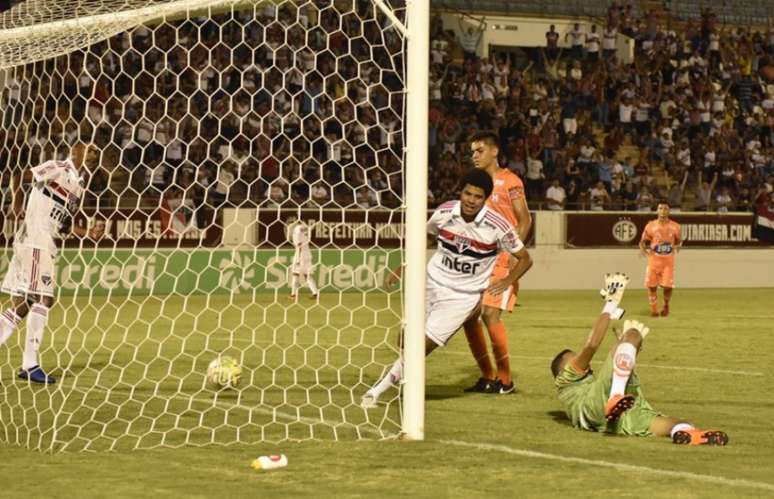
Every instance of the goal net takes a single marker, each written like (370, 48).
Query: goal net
(218, 125)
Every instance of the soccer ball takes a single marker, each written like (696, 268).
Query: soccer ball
(224, 372)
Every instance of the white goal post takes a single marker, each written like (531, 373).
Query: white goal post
(279, 109)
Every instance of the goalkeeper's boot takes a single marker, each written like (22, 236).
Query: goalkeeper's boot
(481, 386)
(36, 375)
(617, 405)
(499, 388)
(665, 310)
(700, 437)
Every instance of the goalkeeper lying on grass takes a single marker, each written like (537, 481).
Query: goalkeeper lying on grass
(611, 400)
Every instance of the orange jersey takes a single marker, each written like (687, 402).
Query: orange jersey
(507, 188)
(662, 238)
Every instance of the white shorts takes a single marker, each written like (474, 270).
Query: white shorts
(447, 311)
(302, 263)
(31, 271)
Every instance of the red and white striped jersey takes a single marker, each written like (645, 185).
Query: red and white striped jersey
(57, 188)
(467, 251)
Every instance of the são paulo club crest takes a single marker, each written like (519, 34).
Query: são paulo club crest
(461, 242)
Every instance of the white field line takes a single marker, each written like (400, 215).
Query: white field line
(731, 482)
(683, 475)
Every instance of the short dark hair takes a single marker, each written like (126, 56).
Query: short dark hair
(487, 137)
(478, 178)
(557, 361)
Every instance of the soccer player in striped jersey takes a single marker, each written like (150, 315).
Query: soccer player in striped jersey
(469, 237)
(55, 196)
(508, 201)
(611, 400)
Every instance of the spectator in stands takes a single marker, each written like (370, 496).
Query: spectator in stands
(704, 191)
(577, 39)
(552, 43)
(724, 201)
(555, 196)
(645, 199)
(598, 197)
(592, 45)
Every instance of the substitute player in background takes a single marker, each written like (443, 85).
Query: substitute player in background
(469, 236)
(660, 242)
(55, 196)
(611, 400)
(507, 200)
(302, 261)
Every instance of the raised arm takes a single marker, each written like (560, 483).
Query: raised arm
(615, 285)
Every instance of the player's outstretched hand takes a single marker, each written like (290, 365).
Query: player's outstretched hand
(615, 285)
(639, 326)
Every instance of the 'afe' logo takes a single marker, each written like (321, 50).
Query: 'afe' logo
(624, 231)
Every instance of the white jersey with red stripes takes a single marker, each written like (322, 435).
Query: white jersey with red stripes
(467, 251)
(57, 188)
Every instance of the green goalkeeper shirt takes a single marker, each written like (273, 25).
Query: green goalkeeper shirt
(580, 394)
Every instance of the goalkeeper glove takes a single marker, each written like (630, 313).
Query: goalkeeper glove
(615, 285)
(639, 326)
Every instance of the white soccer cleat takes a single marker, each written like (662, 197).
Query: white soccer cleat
(615, 285)
(636, 325)
(369, 401)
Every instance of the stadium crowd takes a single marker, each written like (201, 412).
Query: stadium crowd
(300, 106)
(689, 120)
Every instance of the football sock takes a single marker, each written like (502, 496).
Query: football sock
(499, 337)
(680, 427)
(653, 299)
(623, 364)
(36, 325)
(477, 343)
(294, 285)
(311, 284)
(393, 378)
(8, 322)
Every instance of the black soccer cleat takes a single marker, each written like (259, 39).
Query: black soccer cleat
(498, 388)
(481, 386)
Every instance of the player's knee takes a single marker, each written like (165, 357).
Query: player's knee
(490, 315)
(632, 336)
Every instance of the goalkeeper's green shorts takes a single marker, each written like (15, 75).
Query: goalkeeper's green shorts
(635, 421)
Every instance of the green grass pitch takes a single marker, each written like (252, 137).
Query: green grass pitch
(709, 362)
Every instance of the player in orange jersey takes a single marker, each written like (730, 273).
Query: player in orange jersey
(508, 200)
(660, 242)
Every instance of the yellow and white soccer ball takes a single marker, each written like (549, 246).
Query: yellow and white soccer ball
(224, 372)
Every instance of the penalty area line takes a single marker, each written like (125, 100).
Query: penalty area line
(731, 482)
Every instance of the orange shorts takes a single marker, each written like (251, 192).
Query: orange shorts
(507, 299)
(660, 273)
